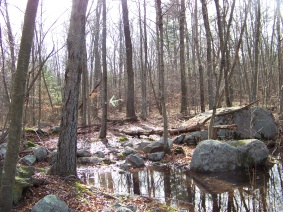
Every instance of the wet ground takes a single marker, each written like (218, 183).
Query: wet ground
(247, 190)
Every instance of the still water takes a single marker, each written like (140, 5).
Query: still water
(248, 190)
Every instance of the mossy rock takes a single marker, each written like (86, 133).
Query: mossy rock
(237, 143)
(20, 184)
(25, 171)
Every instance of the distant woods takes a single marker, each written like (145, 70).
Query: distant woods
(210, 53)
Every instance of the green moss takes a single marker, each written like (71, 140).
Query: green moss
(121, 156)
(41, 170)
(80, 190)
(31, 144)
(123, 138)
(167, 208)
(25, 171)
(237, 143)
(22, 182)
(30, 130)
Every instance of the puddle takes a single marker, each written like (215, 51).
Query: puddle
(254, 190)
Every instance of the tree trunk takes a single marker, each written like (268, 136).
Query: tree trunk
(184, 99)
(143, 70)
(256, 52)
(16, 109)
(208, 53)
(85, 86)
(120, 63)
(162, 81)
(145, 50)
(103, 129)
(280, 59)
(200, 68)
(222, 64)
(130, 107)
(97, 65)
(66, 163)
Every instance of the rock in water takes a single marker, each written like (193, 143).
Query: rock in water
(214, 156)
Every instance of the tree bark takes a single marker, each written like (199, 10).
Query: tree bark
(143, 69)
(130, 104)
(184, 99)
(97, 65)
(256, 52)
(208, 53)
(200, 68)
(280, 58)
(16, 109)
(67, 145)
(162, 81)
(103, 129)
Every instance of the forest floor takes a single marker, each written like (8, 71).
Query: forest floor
(82, 197)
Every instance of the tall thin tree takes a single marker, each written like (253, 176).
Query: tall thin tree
(103, 129)
(161, 75)
(16, 109)
(184, 99)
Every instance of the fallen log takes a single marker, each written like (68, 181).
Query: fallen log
(172, 131)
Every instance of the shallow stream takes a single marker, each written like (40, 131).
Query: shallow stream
(249, 190)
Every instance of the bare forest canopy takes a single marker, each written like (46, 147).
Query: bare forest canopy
(229, 48)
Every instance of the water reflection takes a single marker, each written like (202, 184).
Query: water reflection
(249, 190)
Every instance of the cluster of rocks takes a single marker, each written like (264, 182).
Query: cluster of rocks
(254, 122)
(25, 170)
(154, 151)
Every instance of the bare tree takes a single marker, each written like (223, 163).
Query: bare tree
(130, 108)
(143, 67)
(67, 144)
(103, 129)
(256, 51)
(208, 53)
(161, 75)
(280, 58)
(16, 109)
(184, 99)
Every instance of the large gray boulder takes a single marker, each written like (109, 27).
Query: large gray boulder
(251, 152)
(157, 156)
(135, 160)
(50, 203)
(83, 153)
(129, 150)
(215, 156)
(156, 146)
(257, 123)
(254, 122)
(28, 160)
(40, 153)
